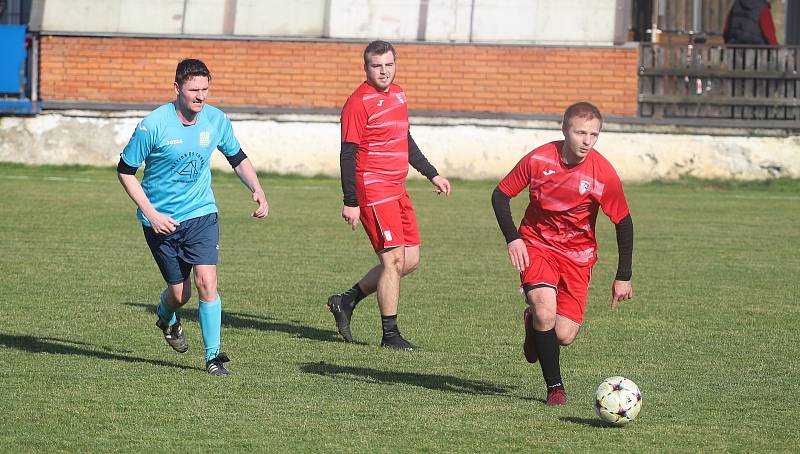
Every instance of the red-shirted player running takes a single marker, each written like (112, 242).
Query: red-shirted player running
(555, 248)
(376, 150)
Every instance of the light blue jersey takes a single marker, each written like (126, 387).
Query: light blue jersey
(177, 159)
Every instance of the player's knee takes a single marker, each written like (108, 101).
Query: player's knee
(567, 338)
(206, 286)
(395, 265)
(410, 266)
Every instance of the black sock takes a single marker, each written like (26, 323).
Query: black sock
(353, 295)
(389, 323)
(548, 348)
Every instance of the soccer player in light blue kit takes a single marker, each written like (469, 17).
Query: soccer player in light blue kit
(176, 205)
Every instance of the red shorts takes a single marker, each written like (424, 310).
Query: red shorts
(391, 224)
(570, 281)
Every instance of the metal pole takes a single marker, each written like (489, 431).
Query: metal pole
(422, 20)
(34, 70)
(654, 22)
(183, 17)
(697, 16)
(792, 22)
(471, 19)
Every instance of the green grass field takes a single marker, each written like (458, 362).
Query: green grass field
(710, 337)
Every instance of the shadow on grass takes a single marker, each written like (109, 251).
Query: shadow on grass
(588, 422)
(249, 321)
(68, 347)
(436, 382)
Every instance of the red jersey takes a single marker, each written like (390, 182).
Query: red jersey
(378, 123)
(564, 201)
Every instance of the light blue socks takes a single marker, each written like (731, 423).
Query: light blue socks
(166, 314)
(210, 315)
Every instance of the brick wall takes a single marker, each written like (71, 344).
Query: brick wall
(508, 79)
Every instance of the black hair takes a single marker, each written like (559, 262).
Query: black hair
(189, 68)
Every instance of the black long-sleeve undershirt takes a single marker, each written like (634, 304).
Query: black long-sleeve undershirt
(418, 160)
(234, 161)
(624, 230)
(347, 164)
(502, 211)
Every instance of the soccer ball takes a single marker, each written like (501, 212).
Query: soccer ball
(618, 400)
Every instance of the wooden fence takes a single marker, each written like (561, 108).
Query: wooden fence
(714, 81)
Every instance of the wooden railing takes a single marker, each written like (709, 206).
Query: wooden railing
(714, 81)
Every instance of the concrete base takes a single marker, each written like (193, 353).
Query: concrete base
(465, 148)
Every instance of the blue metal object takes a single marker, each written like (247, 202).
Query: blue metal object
(18, 61)
(19, 107)
(12, 48)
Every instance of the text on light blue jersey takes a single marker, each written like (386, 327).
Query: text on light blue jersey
(177, 159)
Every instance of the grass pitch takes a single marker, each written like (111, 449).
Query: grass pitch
(710, 337)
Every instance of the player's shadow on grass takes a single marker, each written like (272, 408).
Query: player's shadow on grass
(54, 345)
(436, 382)
(588, 422)
(250, 321)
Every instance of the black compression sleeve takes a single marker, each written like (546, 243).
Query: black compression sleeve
(125, 169)
(502, 211)
(347, 162)
(419, 161)
(236, 159)
(625, 247)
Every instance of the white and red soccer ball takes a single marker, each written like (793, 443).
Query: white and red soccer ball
(618, 400)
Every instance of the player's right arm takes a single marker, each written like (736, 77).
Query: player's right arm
(131, 158)
(159, 222)
(354, 121)
(517, 251)
(509, 187)
(347, 162)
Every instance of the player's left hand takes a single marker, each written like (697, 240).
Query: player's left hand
(620, 290)
(263, 207)
(442, 185)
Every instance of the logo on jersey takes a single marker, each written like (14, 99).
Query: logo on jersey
(548, 172)
(399, 97)
(174, 142)
(583, 187)
(380, 103)
(188, 167)
(205, 138)
(189, 170)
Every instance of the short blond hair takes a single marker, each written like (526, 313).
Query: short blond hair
(583, 109)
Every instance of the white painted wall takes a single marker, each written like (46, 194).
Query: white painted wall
(370, 19)
(465, 148)
(204, 17)
(280, 18)
(123, 16)
(491, 21)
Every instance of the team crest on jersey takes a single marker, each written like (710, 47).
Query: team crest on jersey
(399, 97)
(205, 138)
(189, 170)
(583, 187)
(188, 167)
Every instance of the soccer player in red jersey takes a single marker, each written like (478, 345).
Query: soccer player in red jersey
(377, 149)
(555, 248)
